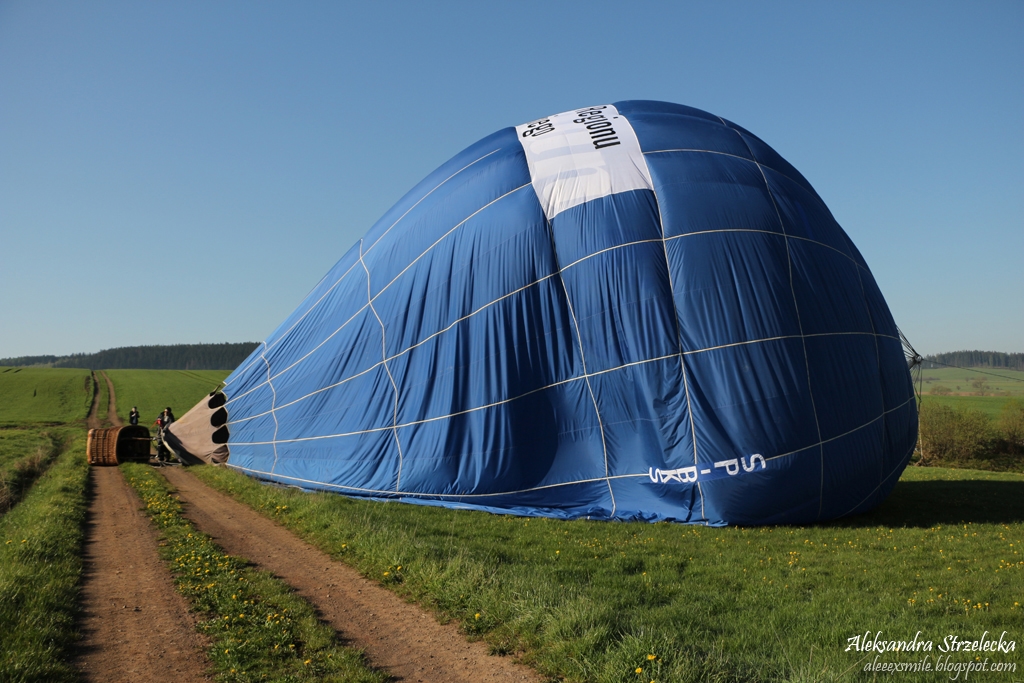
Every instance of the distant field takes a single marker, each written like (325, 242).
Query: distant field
(34, 395)
(154, 390)
(990, 405)
(963, 381)
(966, 385)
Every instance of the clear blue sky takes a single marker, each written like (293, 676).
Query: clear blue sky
(145, 144)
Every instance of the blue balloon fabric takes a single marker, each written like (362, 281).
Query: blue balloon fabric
(633, 311)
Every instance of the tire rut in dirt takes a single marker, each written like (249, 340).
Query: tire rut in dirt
(135, 626)
(92, 420)
(111, 403)
(398, 637)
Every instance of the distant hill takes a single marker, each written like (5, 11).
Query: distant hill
(173, 357)
(976, 359)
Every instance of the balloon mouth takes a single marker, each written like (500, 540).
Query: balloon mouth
(203, 431)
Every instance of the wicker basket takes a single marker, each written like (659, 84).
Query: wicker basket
(117, 444)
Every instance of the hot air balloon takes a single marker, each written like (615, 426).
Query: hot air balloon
(632, 311)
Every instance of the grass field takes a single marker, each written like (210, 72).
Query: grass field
(24, 455)
(989, 405)
(153, 390)
(43, 395)
(966, 385)
(40, 571)
(622, 602)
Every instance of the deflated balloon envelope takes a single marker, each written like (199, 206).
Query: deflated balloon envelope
(629, 311)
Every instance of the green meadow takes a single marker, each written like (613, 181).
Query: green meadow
(44, 395)
(154, 390)
(976, 389)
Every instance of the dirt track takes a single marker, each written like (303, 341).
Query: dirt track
(398, 637)
(135, 625)
(112, 417)
(92, 420)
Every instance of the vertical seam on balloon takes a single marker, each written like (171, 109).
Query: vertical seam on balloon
(878, 364)
(384, 355)
(345, 274)
(733, 156)
(393, 280)
(422, 198)
(583, 359)
(796, 307)
(901, 464)
(273, 402)
(679, 338)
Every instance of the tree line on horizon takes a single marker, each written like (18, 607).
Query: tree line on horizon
(171, 357)
(975, 359)
(228, 356)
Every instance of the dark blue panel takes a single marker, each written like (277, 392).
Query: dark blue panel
(845, 380)
(853, 469)
(501, 250)
(524, 444)
(751, 398)
(659, 131)
(366, 463)
(488, 186)
(354, 349)
(769, 158)
(640, 499)
(804, 215)
(605, 223)
(645, 417)
(731, 288)
(703, 192)
(536, 343)
(363, 402)
(786, 491)
(623, 306)
(828, 290)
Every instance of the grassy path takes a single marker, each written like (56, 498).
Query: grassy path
(399, 638)
(259, 629)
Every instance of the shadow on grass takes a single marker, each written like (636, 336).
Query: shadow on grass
(927, 503)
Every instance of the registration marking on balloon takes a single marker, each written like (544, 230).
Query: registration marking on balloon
(693, 473)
